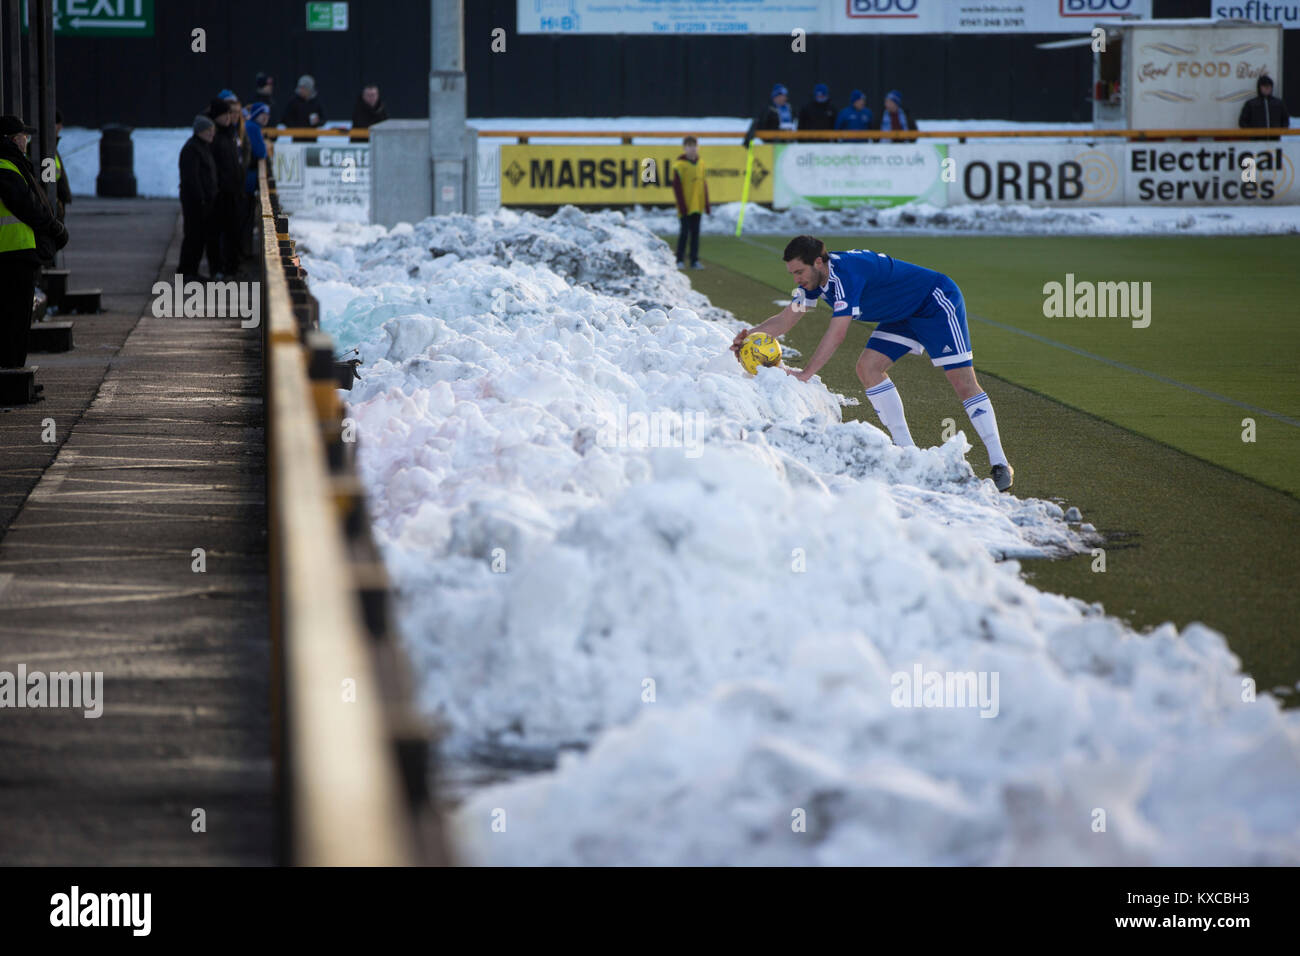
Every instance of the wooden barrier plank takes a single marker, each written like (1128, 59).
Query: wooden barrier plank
(346, 807)
(345, 798)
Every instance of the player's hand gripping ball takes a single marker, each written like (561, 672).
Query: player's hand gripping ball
(759, 349)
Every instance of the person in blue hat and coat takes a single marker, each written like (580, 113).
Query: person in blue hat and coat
(256, 115)
(855, 115)
(777, 114)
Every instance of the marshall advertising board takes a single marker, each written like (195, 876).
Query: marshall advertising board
(555, 175)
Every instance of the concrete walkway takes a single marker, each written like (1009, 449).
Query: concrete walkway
(160, 451)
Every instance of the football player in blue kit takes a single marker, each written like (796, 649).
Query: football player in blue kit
(916, 309)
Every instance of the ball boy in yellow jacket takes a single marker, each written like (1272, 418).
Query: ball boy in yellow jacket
(692, 194)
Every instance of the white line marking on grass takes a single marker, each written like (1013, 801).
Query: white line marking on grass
(1295, 423)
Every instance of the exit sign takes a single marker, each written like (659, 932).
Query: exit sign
(327, 16)
(101, 18)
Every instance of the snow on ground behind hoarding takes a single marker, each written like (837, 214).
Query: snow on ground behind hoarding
(156, 154)
(773, 574)
(999, 219)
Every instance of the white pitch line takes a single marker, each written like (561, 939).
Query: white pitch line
(55, 475)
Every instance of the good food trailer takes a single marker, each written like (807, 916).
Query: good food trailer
(1181, 74)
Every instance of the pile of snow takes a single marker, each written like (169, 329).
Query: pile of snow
(998, 220)
(1105, 748)
(604, 252)
(604, 535)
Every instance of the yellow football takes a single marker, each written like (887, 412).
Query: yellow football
(759, 349)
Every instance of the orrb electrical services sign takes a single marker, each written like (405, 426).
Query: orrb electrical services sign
(1047, 174)
(1190, 174)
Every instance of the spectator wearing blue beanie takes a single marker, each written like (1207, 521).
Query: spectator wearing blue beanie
(855, 115)
(256, 115)
(775, 115)
(894, 118)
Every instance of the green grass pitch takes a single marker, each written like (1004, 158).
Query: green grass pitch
(1141, 428)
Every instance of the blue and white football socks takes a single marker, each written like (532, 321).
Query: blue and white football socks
(888, 404)
(980, 410)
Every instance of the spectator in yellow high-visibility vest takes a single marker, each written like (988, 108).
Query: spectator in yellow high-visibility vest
(692, 194)
(29, 232)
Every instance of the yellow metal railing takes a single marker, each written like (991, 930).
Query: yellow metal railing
(308, 132)
(781, 135)
(777, 135)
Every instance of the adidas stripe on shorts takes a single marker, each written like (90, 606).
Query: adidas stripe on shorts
(938, 327)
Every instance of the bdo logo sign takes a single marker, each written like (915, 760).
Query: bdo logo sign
(883, 8)
(1093, 8)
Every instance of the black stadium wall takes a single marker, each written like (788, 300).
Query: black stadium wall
(159, 81)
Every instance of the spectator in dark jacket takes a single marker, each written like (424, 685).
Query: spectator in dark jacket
(893, 118)
(29, 230)
(776, 115)
(237, 127)
(61, 189)
(198, 198)
(1265, 110)
(818, 113)
(369, 110)
(304, 108)
(264, 89)
(855, 115)
(223, 232)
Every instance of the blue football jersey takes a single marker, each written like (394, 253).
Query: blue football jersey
(872, 287)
